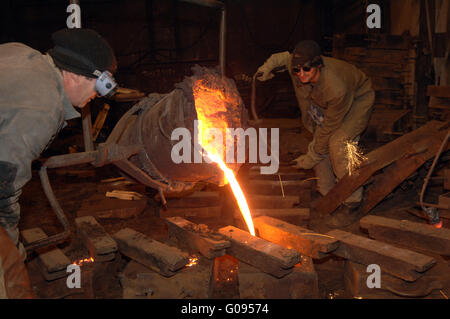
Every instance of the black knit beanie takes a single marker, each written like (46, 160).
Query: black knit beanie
(306, 52)
(82, 51)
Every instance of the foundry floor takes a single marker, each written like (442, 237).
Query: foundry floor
(71, 188)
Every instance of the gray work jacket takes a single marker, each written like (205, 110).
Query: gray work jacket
(33, 106)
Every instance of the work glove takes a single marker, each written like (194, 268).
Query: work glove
(264, 73)
(277, 62)
(310, 159)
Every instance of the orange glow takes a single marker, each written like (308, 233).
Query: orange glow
(210, 104)
(83, 261)
(192, 261)
(438, 225)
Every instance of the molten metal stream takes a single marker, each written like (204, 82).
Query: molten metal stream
(211, 110)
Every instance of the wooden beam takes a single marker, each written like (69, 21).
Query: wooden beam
(438, 91)
(424, 142)
(408, 234)
(405, 264)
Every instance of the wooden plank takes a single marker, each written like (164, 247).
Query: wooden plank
(396, 173)
(447, 179)
(270, 201)
(213, 211)
(100, 206)
(160, 257)
(262, 254)
(197, 237)
(438, 91)
(444, 200)
(267, 187)
(407, 233)
(405, 264)
(288, 176)
(427, 137)
(305, 241)
(303, 213)
(196, 199)
(356, 276)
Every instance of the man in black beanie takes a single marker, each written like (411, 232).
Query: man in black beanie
(336, 101)
(37, 95)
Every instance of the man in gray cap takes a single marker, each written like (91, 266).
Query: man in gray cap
(37, 92)
(336, 100)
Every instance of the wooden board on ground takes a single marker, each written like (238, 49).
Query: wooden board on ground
(413, 149)
(100, 206)
(407, 233)
(402, 263)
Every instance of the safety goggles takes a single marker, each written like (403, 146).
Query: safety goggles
(297, 69)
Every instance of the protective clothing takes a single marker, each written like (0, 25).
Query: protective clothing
(269, 65)
(305, 52)
(343, 97)
(310, 159)
(14, 279)
(33, 109)
(82, 51)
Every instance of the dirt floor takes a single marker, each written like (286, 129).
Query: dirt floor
(72, 185)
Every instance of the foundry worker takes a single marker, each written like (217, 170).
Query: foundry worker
(336, 100)
(37, 95)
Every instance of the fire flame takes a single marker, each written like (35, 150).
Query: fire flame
(83, 261)
(210, 104)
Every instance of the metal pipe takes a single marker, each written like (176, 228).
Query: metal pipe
(59, 214)
(71, 159)
(222, 43)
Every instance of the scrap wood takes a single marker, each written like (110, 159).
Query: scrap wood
(419, 146)
(126, 195)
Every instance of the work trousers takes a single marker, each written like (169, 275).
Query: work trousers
(10, 215)
(334, 166)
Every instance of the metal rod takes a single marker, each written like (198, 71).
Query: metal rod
(222, 43)
(71, 159)
(59, 214)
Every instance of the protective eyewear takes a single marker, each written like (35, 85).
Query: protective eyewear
(304, 68)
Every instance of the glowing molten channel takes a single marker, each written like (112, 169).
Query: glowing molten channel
(210, 104)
